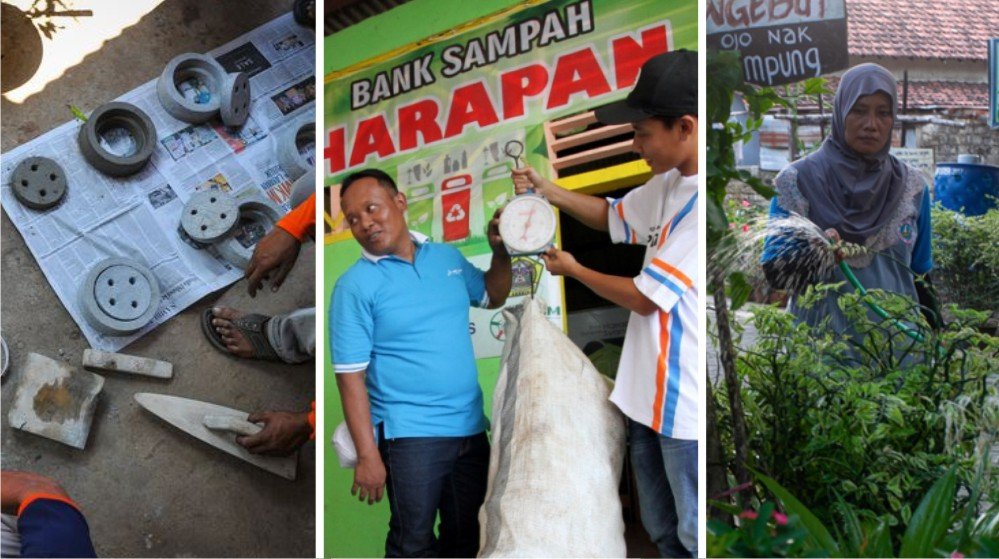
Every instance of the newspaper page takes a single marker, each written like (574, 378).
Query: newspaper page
(138, 217)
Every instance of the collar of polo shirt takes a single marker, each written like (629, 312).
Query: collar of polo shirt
(418, 238)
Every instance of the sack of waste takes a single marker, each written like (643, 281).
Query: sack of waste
(557, 449)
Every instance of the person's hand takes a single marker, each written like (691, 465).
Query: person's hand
(837, 242)
(18, 486)
(526, 178)
(493, 234)
(283, 433)
(559, 262)
(369, 479)
(273, 256)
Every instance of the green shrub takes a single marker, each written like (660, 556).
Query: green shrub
(966, 258)
(872, 420)
(940, 527)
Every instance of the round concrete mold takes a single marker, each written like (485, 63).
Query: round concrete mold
(289, 147)
(190, 87)
(209, 216)
(38, 182)
(119, 296)
(256, 219)
(121, 293)
(118, 139)
(235, 105)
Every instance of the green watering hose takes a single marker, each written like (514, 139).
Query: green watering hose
(905, 328)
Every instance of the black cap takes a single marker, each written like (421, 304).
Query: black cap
(667, 86)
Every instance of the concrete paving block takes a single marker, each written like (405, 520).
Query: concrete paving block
(38, 182)
(235, 106)
(209, 216)
(95, 360)
(119, 296)
(55, 401)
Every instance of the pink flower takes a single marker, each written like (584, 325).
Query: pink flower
(731, 226)
(745, 228)
(745, 203)
(780, 518)
(748, 514)
(956, 555)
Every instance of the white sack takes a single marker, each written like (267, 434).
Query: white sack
(557, 449)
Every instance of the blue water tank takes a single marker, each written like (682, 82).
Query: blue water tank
(968, 188)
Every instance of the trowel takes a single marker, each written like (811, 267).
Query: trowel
(217, 426)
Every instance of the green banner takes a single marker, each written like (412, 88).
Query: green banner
(439, 115)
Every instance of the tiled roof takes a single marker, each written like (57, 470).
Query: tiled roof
(922, 95)
(950, 95)
(928, 29)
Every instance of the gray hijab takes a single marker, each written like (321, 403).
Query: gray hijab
(853, 193)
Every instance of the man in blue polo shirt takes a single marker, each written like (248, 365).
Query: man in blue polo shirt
(406, 370)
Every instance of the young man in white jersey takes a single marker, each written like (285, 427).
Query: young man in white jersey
(658, 386)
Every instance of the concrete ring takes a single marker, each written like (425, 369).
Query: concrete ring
(292, 161)
(182, 69)
(209, 216)
(119, 296)
(108, 118)
(4, 357)
(38, 182)
(256, 219)
(235, 106)
(302, 188)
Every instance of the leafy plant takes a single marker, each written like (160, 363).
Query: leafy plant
(722, 137)
(741, 214)
(872, 420)
(940, 527)
(762, 533)
(966, 257)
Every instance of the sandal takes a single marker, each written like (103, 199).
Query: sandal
(253, 328)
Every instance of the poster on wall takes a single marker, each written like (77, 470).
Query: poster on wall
(438, 115)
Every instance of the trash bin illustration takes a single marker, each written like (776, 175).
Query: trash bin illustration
(420, 215)
(456, 197)
(497, 188)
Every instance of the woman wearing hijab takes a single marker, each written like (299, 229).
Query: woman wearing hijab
(856, 191)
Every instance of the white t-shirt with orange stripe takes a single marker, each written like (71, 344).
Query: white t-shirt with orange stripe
(658, 383)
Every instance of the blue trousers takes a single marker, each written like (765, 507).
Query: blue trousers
(431, 475)
(666, 476)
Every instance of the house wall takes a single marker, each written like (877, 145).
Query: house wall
(949, 141)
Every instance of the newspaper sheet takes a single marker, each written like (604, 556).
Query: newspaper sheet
(138, 216)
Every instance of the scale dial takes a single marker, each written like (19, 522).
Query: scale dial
(527, 225)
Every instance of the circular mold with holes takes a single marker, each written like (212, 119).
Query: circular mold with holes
(38, 182)
(235, 106)
(290, 145)
(209, 216)
(190, 87)
(256, 219)
(119, 296)
(118, 139)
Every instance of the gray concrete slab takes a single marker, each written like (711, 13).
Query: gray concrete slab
(146, 488)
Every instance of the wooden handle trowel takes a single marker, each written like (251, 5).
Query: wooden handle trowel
(217, 426)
